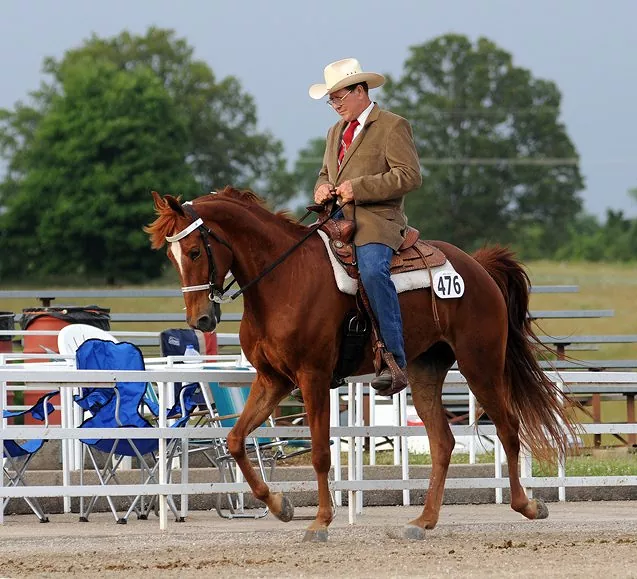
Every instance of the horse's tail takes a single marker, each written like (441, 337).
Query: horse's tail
(537, 402)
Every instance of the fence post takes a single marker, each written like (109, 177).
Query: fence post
(561, 459)
(630, 417)
(498, 469)
(396, 422)
(351, 473)
(163, 466)
(472, 423)
(359, 445)
(335, 449)
(526, 468)
(404, 446)
(372, 422)
(66, 421)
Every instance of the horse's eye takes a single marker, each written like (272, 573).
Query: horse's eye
(194, 254)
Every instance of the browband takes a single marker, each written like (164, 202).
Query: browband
(185, 232)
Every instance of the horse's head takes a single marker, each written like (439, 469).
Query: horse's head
(201, 257)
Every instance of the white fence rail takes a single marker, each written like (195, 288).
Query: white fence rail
(59, 375)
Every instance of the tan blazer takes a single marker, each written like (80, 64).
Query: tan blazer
(382, 164)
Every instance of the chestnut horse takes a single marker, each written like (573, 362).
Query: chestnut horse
(290, 332)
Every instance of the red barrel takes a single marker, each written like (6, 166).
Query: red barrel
(414, 420)
(54, 319)
(7, 322)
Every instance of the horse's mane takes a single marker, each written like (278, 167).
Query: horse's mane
(165, 223)
(250, 198)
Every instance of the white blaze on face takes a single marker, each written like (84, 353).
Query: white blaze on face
(175, 248)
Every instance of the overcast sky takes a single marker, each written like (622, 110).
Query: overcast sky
(278, 48)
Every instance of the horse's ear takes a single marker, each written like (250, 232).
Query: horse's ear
(175, 205)
(167, 201)
(158, 201)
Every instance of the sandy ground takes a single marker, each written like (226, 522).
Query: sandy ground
(577, 540)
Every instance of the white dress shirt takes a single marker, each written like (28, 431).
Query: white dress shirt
(361, 120)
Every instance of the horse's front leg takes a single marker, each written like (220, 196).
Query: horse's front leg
(316, 396)
(265, 394)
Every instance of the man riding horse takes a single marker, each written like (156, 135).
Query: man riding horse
(370, 164)
(483, 324)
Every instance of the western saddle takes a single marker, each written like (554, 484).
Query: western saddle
(413, 254)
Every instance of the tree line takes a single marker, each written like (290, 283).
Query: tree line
(117, 117)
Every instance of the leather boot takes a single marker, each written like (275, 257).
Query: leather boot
(385, 385)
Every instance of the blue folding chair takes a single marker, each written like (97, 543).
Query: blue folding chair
(117, 407)
(18, 454)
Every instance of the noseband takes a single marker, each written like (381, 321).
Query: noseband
(216, 294)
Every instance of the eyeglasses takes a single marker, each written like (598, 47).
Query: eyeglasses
(338, 101)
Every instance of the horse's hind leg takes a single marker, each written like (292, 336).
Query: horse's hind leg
(491, 391)
(426, 376)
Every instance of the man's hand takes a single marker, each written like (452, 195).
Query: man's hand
(345, 192)
(324, 193)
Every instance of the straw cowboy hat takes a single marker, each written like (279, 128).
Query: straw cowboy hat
(344, 73)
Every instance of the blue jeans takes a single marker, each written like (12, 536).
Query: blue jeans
(373, 264)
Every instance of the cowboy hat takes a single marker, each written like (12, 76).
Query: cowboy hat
(344, 73)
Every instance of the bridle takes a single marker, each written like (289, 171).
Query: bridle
(217, 294)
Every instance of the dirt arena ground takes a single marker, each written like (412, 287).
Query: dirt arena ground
(577, 540)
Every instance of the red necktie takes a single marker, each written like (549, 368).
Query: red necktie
(346, 140)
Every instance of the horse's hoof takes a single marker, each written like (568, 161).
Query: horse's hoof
(319, 536)
(542, 509)
(287, 510)
(413, 533)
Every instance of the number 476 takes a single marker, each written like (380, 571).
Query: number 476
(446, 283)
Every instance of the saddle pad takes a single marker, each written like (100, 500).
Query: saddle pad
(406, 281)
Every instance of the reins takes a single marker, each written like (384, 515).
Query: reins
(218, 295)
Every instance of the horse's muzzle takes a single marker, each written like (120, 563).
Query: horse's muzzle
(206, 318)
(206, 323)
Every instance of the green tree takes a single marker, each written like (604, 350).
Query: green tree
(192, 133)
(498, 164)
(614, 240)
(224, 145)
(584, 242)
(80, 190)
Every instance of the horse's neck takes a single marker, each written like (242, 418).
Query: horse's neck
(257, 239)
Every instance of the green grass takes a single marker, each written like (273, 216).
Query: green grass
(593, 465)
(585, 464)
(602, 286)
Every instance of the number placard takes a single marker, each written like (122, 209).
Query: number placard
(448, 284)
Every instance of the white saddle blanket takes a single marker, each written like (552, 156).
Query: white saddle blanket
(405, 281)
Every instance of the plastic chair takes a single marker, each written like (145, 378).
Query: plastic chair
(71, 337)
(18, 454)
(121, 406)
